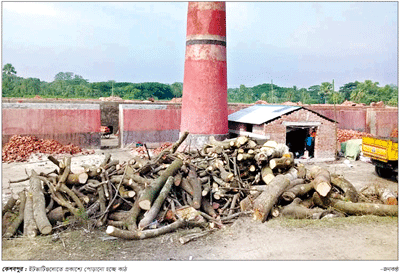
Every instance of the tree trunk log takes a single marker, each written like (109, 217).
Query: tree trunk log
(267, 199)
(56, 215)
(350, 208)
(239, 141)
(77, 179)
(223, 144)
(247, 203)
(321, 180)
(267, 175)
(295, 182)
(297, 191)
(365, 208)
(39, 205)
(155, 208)
(207, 207)
(196, 186)
(186, 186)
(150, 192)
(12, 229)
(297, 211)
(10, 203)
(301, 171)
(133, 214)
(144, 234)
(30, 227)
(284, 162)
(350, 192)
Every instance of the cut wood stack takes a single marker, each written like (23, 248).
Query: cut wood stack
(209, 187)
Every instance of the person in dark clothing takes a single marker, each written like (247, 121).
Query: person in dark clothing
(310, 141)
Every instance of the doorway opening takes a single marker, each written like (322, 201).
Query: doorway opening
(301, 140)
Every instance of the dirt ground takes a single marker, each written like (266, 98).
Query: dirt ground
(350, 239)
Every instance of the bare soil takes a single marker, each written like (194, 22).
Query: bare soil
(351, 238)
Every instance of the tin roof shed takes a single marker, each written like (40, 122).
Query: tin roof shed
(258, 114)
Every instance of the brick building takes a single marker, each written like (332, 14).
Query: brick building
(291, 125)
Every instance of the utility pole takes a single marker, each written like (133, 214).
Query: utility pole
(334, 109)
(272, 91)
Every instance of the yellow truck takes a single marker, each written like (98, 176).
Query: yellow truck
(383, 153)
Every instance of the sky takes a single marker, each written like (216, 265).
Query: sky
(288, 43)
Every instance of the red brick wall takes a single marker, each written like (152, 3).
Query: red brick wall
(78, 124)
(382, 121)
(348, 117)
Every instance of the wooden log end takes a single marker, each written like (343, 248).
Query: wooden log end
(46, 230)
(323, 189)
(110, 230)
(83, 177)
(145, 205)
(196, 204)
(391, 201)
(268, 178)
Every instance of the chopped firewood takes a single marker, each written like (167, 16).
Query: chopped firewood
(268, 198)
(350, 208)
(13, 227)
(151, 191)
(56, 215)
(10, 203)
(30, 227)
(284, 162)
(380, 191)
(349, 190)
(297, 211)
(39, 205)
(210, 186)
(321, 180)
(297, 191)
(196, 186)
(77, 179)
(267, 175)
(155, 208)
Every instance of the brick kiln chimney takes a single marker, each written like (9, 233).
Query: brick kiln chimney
(204, 100)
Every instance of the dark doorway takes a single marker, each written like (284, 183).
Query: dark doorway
(298, 140)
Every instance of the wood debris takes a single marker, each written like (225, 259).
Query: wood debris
(207, 188)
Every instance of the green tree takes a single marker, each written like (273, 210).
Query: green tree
(9, 70)
(315, 94)
(63, 76)
(177, 89)
(366, 92)
(326, 90)
(335, 98)
(346, 89)
(290, 95)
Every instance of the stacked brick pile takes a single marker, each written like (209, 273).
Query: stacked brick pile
(344, 135)
(20, 148)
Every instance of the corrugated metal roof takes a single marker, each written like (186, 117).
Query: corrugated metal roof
(259, 114)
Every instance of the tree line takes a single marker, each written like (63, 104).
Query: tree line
(70, 85)
(359, 92)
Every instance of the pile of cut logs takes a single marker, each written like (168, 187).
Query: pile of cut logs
(208, 187)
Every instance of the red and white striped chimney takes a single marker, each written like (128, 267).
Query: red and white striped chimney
(204, 100)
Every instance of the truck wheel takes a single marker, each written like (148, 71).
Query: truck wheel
(383, 172)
